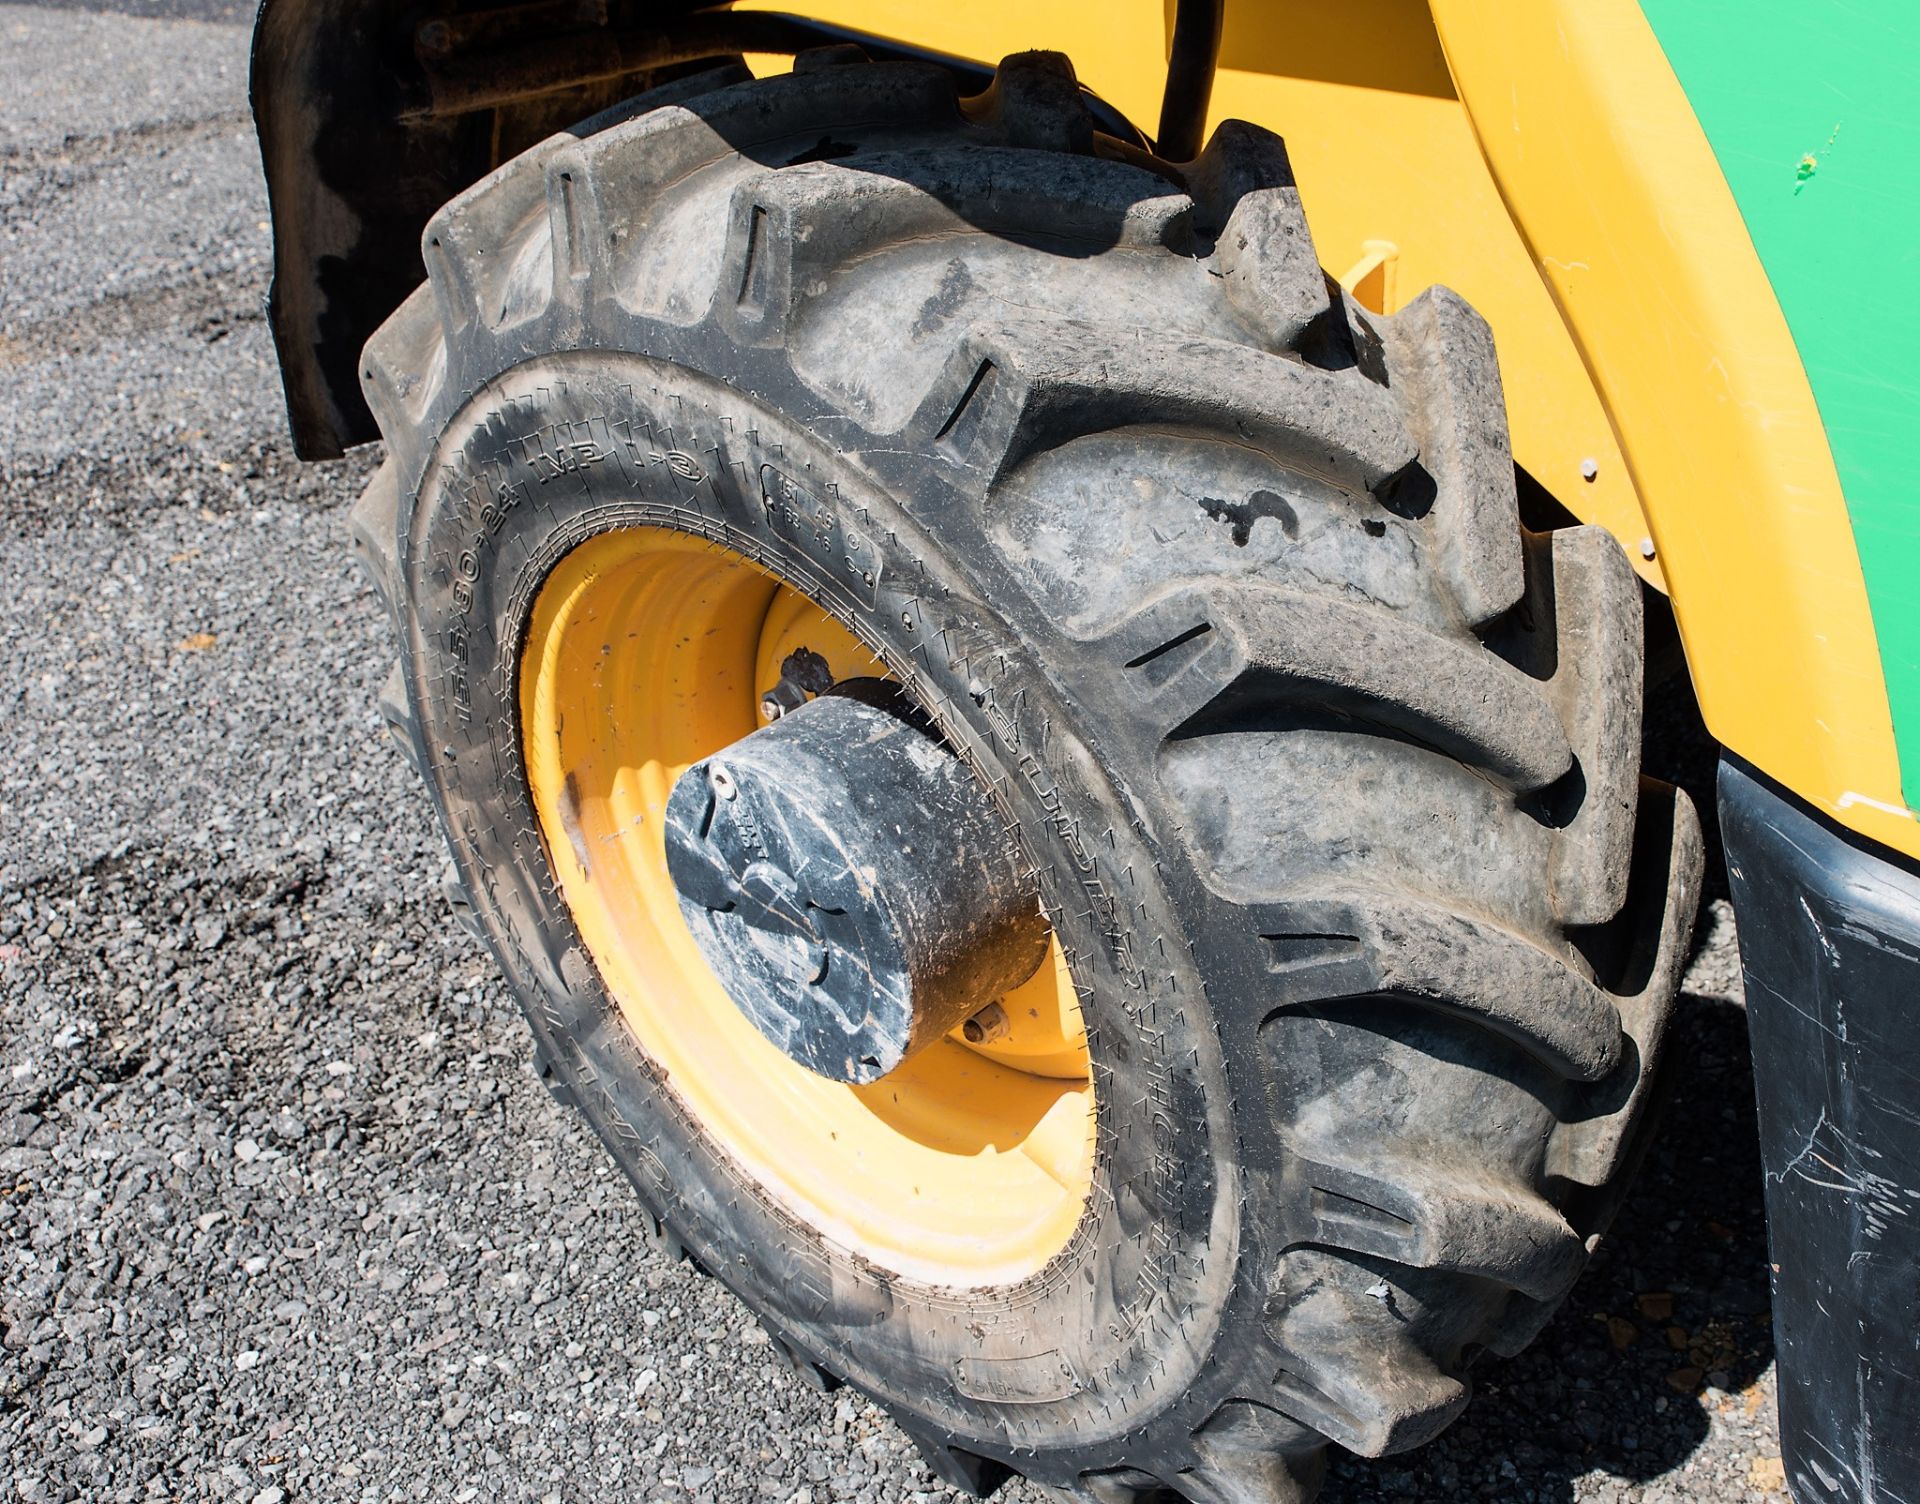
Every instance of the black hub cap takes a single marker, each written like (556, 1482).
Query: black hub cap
(851, 885)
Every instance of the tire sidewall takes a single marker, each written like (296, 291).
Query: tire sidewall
(1118, 1325)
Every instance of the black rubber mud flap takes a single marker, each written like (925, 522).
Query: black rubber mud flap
(1830, 939)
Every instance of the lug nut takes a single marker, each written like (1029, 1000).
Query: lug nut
(803, 672)
(988, 1026)
(784, 696)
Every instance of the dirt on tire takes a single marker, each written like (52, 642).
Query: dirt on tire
(1328, 768)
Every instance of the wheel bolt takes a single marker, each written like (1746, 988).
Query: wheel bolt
(988, 1026)
(784, 696)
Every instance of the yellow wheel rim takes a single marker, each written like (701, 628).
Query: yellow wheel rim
(970, 1164)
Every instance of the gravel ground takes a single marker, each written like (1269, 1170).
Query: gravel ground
(283, 1213)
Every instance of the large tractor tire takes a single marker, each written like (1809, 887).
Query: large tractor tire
(851, 544)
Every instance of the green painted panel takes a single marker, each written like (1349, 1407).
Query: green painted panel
(1814, 114)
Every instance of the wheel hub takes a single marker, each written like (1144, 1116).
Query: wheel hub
(851, 884)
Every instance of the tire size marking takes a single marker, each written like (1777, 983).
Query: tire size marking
(796, 513)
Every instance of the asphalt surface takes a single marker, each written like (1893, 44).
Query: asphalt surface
(283, 1213)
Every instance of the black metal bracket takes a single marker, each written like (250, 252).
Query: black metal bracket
(472, 67)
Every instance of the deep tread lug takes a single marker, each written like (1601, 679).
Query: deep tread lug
(835, 55)
(1239, 159)
(1670, 865)
(1428, 1213)
(614, 176)
(711, 123)
(1264, 252)
(468, 248)
(1035, 103)
(976, 1476)
(374, 527)
(808, 1372)
(1373, 1389)
(676, 91)
(1270, 645)
(618, 171)
(400, 370)
(1455, 963)
(1059, 378)
(1511, 986)
(398, 716)
(1449, 378)
(789, 229)
(1251, 1454)
(1122, 1485)
(1593, 604)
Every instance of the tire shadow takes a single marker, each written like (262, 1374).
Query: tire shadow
(1672, 1318)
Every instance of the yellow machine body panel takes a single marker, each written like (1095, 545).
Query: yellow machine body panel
(1619, 195)
(1541, 159)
